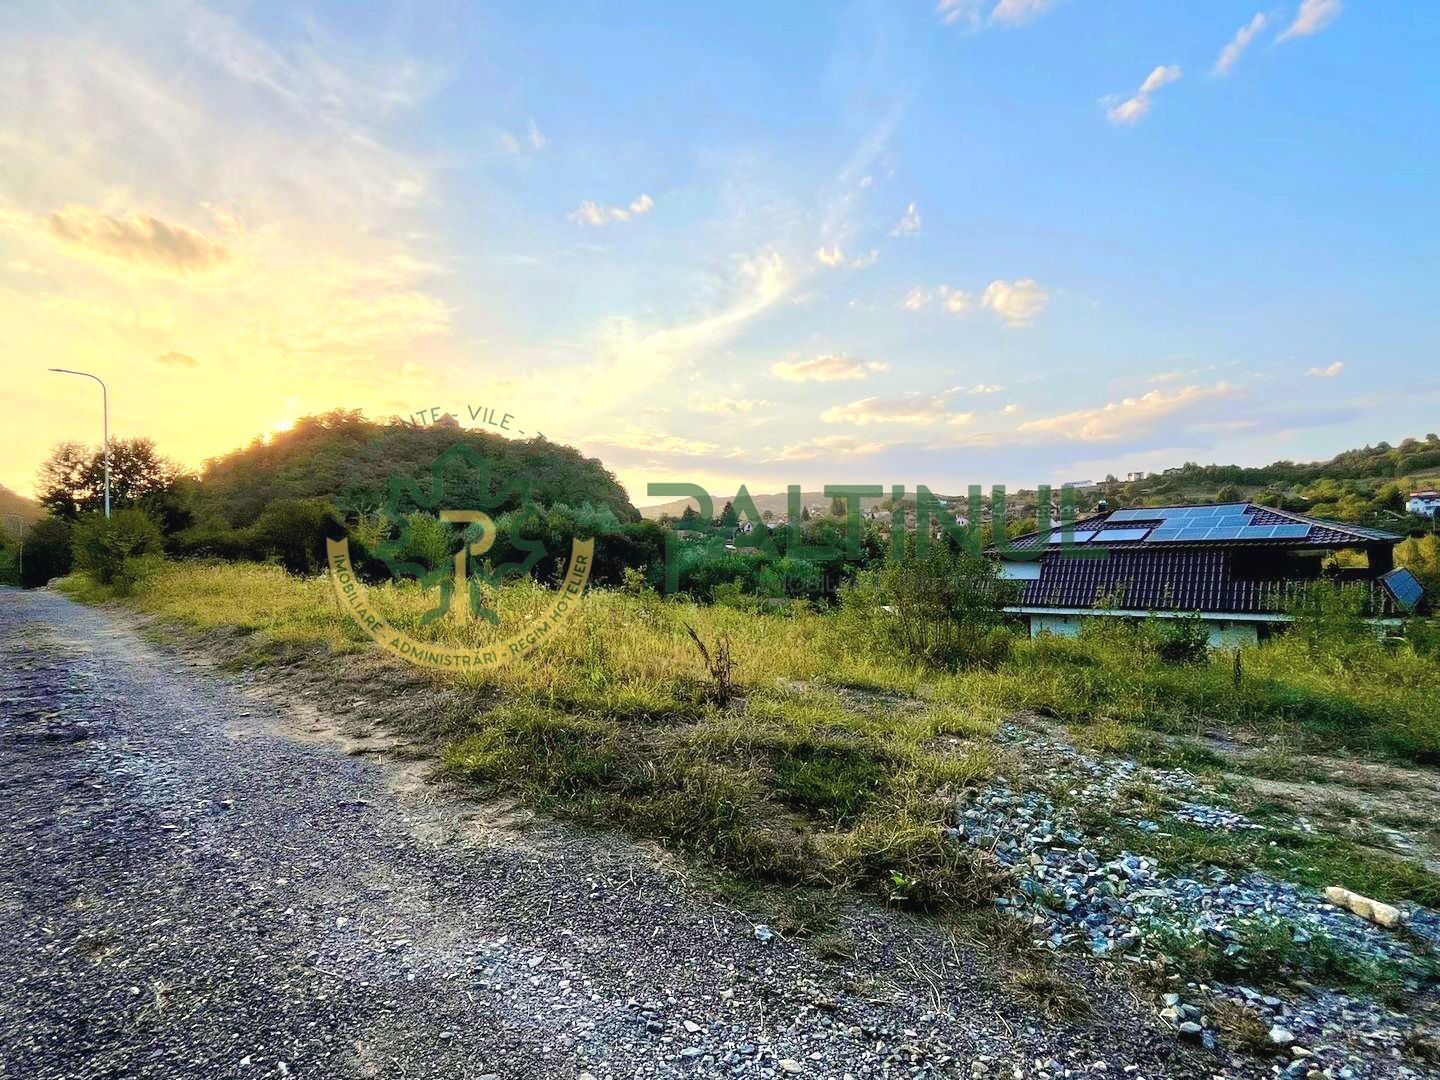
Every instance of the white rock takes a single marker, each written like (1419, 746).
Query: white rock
(1372, 910)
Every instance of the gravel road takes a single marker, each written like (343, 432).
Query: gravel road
(191, 889)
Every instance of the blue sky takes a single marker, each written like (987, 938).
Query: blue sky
(990, 241)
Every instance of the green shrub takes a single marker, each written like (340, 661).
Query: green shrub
(48, 553)
(1183, 640)
(943, 608)
(110, 549)
(292, 532)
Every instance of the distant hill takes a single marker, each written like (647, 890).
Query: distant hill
(343, 456)
(13, 505)
(776, 502)
(1366, 485)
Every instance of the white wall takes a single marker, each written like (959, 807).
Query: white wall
(1224, 633)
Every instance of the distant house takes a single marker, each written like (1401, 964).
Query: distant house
(1238, 566)
(1424, 503)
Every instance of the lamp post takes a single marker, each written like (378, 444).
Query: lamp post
(105, 408)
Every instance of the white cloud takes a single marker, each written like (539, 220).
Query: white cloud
(136, 241)
(1015, 302)
(1132, 110)
(1018, 12)
(1327, 372)
(654, 442)
(985, 388)
(1003, 13)
(916, 299)
(730, 406)
(592, 213)
(1129, 417)
(909, 223)
(1011, 408)
(1230, 54)
(826, 369)
(957, 301)
(535, 137)
(831, 444)
(1313, 16)
(860, 262)
(831, 256)
(910, 408)
(954, 11)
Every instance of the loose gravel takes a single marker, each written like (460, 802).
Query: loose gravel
(189, 890)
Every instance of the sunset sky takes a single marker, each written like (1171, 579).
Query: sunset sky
(986, 241)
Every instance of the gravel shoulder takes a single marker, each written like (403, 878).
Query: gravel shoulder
(212, 874)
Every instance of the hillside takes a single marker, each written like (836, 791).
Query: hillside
(343, 456)
(13, 505)
(1363, 485)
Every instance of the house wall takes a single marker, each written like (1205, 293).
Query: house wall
(1224, 633)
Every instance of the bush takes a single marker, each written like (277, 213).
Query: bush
(48, 552)
(1183, 640)
(293, 531)
(110, 549)
(942, 608)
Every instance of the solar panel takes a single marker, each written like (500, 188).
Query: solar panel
(1080, 536)
(1404, 587)
(1112, 536)
(1291, 532)
(1229, 532)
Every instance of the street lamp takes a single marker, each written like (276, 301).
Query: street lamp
(105, 406)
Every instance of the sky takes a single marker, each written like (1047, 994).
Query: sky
(978, 241)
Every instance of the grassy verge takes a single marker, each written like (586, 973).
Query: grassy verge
(835, 764)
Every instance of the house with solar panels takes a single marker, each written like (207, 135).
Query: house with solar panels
(1239, 566)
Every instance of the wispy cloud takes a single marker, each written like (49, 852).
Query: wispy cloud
(1130, 417)
(826, 369)
(1019, 12)
(1327, 372)
(135, 240)
(955, 301)
(593, 214)
(532, 139)
(909, 408)
(1132, 110)
(1313, 16)
(1236, 46)
(730, 406)
(176, 359)
(909, 223)
(1006, 13)
(831, 256)
(1017, 303)
(831, 445)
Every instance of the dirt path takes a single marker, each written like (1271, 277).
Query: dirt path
(189, 890)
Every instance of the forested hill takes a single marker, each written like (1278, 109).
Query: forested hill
(343, 456)
(1382, 461)
(14, 505)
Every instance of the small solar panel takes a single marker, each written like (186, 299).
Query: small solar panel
(1114, 536)
(1291, 532)
(1080, 536)
(1229, 532)
(1404, 587)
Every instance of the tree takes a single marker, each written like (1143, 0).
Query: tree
(72, 480)
(108, 547)
(729, 519)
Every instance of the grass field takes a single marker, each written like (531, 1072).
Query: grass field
(834, 762)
